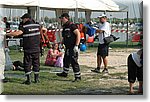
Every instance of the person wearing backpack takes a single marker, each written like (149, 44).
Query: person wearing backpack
(71, 40)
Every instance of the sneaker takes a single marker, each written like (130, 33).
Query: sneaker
(96, 70)
(77, 79)
(105, 70)
(62, 74)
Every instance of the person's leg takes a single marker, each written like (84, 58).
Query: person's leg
(131, 73)
(104, 54)
(27, 67)
(36, 65)
(131, 90)
(99, 62)
(105, 61)
(140, 79)
(75, 66)
(140, 90)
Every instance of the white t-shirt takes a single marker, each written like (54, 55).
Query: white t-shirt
(107, 31)
(136, 58)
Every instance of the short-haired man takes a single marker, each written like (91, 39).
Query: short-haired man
(71, 40)
(31, 46)
(102, 52)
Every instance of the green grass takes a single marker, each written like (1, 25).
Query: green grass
(50, 84)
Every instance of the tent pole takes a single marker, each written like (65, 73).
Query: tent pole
(127, 31)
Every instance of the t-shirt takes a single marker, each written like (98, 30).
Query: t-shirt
(68, 34)
(107, 31)
(136, 58)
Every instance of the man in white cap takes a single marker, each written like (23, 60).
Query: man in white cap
(102, 52)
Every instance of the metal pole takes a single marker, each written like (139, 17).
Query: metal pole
(127, 31)
(76, 12)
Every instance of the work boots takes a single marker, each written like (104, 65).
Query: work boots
(77, 79)
(63, 74)
(28, 81)
(36, 78)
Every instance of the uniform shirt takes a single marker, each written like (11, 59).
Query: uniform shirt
(107, 31)
(31, 36)
(68, 34)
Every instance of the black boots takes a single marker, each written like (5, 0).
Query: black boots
(28, 81)
(36, 78)
(77, 79)
(63, 74)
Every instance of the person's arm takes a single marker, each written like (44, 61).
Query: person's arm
(5, 42)
(42, 36)
(99, 31)
(16, 33)
(77, 33)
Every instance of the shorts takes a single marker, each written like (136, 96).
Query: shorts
(102, 50)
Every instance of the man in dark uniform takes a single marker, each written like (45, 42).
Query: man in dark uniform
(71, 40)
(31, 46)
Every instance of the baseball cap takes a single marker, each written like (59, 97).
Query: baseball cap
(64, 15)
(26, 15)
(102, 15)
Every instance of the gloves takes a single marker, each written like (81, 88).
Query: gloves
(7, 50)
(76, 49)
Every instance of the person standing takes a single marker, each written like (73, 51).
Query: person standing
(103, 49)
(2, 52)
(31, 46)
(71, 40)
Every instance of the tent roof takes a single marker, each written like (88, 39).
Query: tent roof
(94, 5)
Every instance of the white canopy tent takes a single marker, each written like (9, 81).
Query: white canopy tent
(68, 4)
(34, 6)
(58, 5)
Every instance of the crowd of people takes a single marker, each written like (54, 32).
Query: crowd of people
(65, 53)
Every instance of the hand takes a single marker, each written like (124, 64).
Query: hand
(76, 49)
(7, 50)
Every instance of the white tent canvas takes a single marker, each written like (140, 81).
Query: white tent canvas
(68, 4)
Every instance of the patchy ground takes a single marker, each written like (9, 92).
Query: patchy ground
(114, 83)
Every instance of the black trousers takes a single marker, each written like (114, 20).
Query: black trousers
(134, 71)
(31, 59)
(71, 57)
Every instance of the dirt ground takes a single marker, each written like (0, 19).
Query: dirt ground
(116, 81)
(117, 58)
